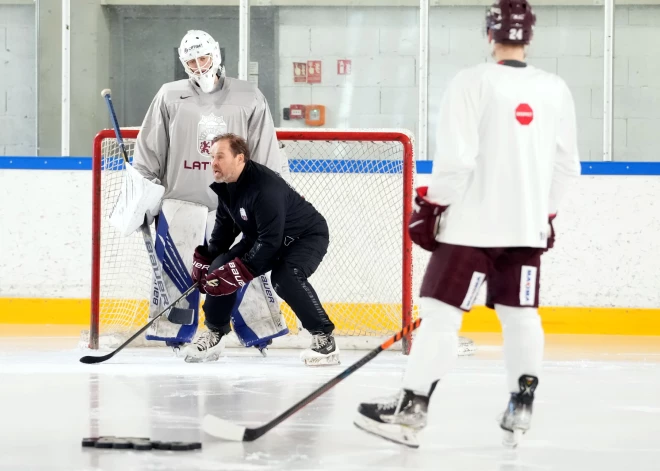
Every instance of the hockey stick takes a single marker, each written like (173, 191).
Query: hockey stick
(92, 359)
(226, 430)
(178, 315)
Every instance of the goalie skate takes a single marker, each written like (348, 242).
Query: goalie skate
(208, 346)
(398, 419)
(323, 351)
(516, 419)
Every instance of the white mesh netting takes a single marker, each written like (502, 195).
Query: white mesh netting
(358, 186)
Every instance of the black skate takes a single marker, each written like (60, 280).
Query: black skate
(517, 417)
(323, 351)
(208, 346)
(397, 419)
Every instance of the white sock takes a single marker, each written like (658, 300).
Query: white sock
(523, 342)
(435, 346)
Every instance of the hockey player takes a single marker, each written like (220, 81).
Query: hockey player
(281, 232)
(507, 149)
(173, 150)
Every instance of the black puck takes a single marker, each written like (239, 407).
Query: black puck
(121, 443)
(161, 445)
(180, 446)
(142, 445)
(104, 442)
(89, 441)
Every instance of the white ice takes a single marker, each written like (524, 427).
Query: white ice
(597, 409)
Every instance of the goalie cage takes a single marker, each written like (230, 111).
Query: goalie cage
(362, 183)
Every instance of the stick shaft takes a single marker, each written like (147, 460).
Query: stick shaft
(253, 434)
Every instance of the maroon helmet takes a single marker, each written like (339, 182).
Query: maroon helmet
(510, 21)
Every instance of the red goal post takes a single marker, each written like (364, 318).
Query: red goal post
(360, 180)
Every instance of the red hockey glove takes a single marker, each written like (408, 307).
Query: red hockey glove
(425, 221)
(551, 232)
(201, 261)
(227, 279)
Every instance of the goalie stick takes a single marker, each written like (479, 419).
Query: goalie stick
(181, 316)
(93, 359)
(226, 430)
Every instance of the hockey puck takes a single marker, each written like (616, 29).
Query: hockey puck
(104, 442)
(161, 445)
(142, 445)
(89, 442)
(121, 443)
(180, 446)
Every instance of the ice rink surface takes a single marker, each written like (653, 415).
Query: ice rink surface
(597, 408)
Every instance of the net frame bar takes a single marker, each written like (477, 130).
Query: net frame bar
(283, 135)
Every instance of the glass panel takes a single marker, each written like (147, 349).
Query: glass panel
(636, 96)
(18, 83)
(567, 41)
(132, 49)
(360, 63)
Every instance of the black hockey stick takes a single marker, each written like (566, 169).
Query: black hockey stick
(228, 431)
(178, 315)
(92, 359)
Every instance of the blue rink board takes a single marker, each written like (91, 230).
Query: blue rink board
(327, 166)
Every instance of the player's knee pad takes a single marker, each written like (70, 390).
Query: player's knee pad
(439, 316)
(518, 317)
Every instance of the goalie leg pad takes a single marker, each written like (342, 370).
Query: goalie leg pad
(257, 318)
(254, 310)
(181, 228)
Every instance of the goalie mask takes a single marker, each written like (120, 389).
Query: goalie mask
(200, 55)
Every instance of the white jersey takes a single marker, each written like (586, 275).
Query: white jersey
(175, 139)
(507, 146)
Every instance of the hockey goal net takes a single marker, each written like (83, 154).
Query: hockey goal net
(361, 181)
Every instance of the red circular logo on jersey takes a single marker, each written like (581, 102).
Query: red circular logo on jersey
(524, 114)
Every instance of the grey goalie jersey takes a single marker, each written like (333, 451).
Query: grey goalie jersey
(175, 139)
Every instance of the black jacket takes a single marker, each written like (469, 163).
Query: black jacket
(268, 212)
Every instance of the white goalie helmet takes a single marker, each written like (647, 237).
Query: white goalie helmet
(205, 51)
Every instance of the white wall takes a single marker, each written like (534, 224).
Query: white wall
(18, 80)
(606, 252)
(383, 46)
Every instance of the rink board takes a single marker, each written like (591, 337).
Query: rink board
(557, 320)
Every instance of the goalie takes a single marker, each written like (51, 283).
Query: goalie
(172, 153)
(281, 232)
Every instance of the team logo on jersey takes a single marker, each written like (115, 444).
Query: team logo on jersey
(209, 127)
(524, 114)
(243, 214)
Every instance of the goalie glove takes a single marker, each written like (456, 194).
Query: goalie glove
(138, 198)
(425, 221)
(200, 267)
(227, 279)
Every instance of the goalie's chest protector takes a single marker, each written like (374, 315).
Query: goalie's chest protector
(195, 119)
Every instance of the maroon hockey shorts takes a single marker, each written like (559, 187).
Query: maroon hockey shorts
(455, 274)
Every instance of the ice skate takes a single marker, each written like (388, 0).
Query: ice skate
(208, 346)
(517, 417)
(397, 419)
(323, 351)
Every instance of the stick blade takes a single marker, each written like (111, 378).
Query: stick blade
(220, 428)
(181, 316)
(91, 360)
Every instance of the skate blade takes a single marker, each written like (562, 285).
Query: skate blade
(512, 439)
(398, 434)
(322, 361)
(190, 359)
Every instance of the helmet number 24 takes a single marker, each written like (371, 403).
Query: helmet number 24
(516, 34)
